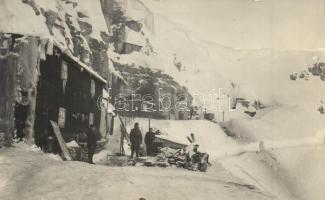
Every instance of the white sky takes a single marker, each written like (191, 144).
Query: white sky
(249, 24)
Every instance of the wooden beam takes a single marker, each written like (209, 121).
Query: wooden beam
(65, 153)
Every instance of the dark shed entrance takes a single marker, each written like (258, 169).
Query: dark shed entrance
(66, 94)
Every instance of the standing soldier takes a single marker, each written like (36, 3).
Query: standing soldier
(135, 139)
(91, 142)
(191, 113)
(149, 139)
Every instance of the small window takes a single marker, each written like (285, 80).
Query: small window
(62, 115)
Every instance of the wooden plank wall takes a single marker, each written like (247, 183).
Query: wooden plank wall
(8, 82)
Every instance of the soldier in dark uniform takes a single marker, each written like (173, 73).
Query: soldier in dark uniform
(136, 140)
(149, 139)
(92, 137)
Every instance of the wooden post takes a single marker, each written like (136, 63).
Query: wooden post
(65, 152)
(149, 121)
(122, 151)
(111, 130)
(124, 134)
(124, 131)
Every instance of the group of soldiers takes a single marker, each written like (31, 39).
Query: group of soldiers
(193, 160)
(136, 140)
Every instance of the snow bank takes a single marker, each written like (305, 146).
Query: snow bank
(295, 127)
(54, 156)
(27, 147)
(22, 145)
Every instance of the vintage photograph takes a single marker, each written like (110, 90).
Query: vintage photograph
(162, 99)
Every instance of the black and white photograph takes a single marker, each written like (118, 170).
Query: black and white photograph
(162, 99)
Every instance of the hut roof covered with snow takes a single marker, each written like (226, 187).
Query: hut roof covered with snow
(60, 22)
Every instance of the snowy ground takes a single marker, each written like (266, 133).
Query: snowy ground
(258, 169)
(263, 175)
(26, 174)
(278, 172)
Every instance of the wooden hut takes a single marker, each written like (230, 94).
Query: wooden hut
(40, 82)
(68, 94)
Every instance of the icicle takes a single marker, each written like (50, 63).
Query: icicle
(42, 49)
(64, 84)
(50, 44)
(64, 75)
(92, 88)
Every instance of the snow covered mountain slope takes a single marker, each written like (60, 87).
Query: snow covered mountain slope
(262, 73)
(205, 67)
(266, 72)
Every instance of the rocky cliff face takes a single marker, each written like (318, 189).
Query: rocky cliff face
(97, 31)
(131, 25)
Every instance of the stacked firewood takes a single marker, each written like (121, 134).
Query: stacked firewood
(175, 157)
(165, 158)
(188, 158)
